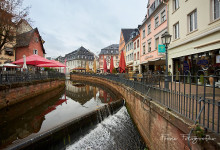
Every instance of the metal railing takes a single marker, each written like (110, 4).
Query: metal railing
(18, 77)
(185, 95)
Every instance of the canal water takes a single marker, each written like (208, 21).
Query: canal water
(38, 115)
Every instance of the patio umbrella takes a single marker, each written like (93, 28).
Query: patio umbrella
(111, 64)
(24, 65)
(105, 65)
(33, 60)
(8, 65)
(122, 64)
(52, 64)
(87, 66)
(94, 66)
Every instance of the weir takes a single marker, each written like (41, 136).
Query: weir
(67, 133)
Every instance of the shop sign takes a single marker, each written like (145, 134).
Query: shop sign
(150, 56)
(161, 49)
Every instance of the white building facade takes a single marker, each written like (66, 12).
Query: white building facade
(195, 29)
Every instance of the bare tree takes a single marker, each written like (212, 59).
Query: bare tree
(11, 12)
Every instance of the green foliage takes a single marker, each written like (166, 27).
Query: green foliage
(201, 78)
(48, 69)
(114, 71)
(199, 131)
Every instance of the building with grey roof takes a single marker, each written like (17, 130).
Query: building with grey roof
(107, 52)
(77, 59)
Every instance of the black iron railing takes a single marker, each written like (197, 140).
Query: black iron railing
(185, 95)
(18, 77)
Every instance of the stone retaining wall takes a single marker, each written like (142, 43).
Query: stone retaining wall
(15, 93)
(160, 128)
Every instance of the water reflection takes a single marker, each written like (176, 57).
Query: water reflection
(42, 113)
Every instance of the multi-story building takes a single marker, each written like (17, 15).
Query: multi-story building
(153, 26)
(129, 50)
(7, 51)
(106, 53)
(136, 64)
(29, 43)
(195, 29)
(124, 37)
(78, 59)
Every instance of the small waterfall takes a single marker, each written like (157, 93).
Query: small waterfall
(115, 132)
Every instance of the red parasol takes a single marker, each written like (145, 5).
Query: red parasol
(111, 64)
(52, 64)
(105, 65)
(122, 64)
(33, 60)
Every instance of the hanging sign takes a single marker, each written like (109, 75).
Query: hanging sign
(161, 49)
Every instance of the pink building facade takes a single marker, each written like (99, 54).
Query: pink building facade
(154, 25)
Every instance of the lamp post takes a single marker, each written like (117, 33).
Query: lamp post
(166, 38)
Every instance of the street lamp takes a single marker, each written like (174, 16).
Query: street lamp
(166, 38)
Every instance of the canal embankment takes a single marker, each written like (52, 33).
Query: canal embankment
(160, 127)
(15, 93)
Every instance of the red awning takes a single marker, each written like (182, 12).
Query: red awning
(79, 68)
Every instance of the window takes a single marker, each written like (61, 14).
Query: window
(157, 2)
(175, 4)
(163, 16)
(149, 29)
(137, 43)
(143, 49)
(156, 22)
(8, 51)
(134, 45)
(216, 9)
(35, 51)
(149, 47)
(156, 43)
(144, 33)
(192, 18)
(137, 55)
(176, 30)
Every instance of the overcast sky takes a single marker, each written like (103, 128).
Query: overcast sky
(65, 25)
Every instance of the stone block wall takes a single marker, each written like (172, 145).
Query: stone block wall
(13, 94)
